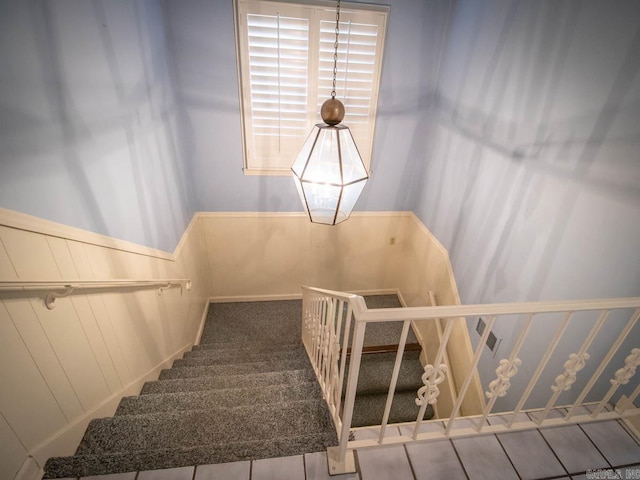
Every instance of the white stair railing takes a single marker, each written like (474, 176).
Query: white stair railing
(329, 317)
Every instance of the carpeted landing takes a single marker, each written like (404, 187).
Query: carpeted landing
(247, 391)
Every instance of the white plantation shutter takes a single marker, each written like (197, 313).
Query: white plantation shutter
(286, 70)
(357, 77)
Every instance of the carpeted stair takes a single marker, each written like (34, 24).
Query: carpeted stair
(376, 368)
(229, 399)
(247, 391)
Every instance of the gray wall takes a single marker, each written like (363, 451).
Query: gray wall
(511, 128)
(89, 125)
(532, 159)
(201, 36)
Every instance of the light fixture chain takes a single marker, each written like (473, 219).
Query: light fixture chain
(335, 51)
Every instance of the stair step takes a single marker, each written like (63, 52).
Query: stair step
(253, 380)
(184, 371)
(246, 346)
(392, 348)
(204, 357)
(369, 409)
(195, 428)
(223, 398)
(99, 464)
(376, 370)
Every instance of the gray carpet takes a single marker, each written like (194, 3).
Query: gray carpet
(384, 333)
(247, 391)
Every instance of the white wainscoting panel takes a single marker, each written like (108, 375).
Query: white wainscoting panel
(60, 368)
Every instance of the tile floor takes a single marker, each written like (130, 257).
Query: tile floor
(599, 450)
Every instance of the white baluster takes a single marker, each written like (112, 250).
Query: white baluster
(428, 394)
(467, 381)
(605, 362)
(621, 377)
(343, 356)
(394, 378)
(564, 381)
(432, 377)
(505, 371)
(543, 363)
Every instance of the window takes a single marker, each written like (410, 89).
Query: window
(285, 58)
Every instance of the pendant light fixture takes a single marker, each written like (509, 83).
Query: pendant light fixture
(329, 172)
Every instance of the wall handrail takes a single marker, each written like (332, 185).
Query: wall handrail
(63, 288)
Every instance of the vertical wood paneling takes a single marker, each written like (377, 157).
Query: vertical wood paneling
(7, 272)
(125, 326)
(30, 254)
(63, 329)
(62, 257)
(27, 323)
(58, 365)
(87, 320)
(26, 400)
(80, 259)
(116, 353)
(84, 268)
(97, 341)
(13, 452)
(101, 262)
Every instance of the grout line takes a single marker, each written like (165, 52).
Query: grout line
(552, 450)
(304, 466)
(356, 461)
(508, 457)
(594, 444)
(406, 452)
(627, 429)
(459, 459)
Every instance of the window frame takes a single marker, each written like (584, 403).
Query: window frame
(252, 166)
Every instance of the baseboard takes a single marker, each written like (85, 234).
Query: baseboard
(65, 441)
(203, 320)
(255, 298)
(291, 296)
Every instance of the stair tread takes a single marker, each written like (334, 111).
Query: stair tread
(369, 409)
(152, 431)
(376, 370)
(187, 371)
(246, 352)
(194, 360)
(253, 380)
(240, 399)
(220, 398)
(99, 464)
(247, 345)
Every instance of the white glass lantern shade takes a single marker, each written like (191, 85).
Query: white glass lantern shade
(329, 174)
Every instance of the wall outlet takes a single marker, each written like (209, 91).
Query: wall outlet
(492, 341)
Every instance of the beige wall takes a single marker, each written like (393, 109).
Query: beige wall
(59, 368)
(426, 267)
(256, 254)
